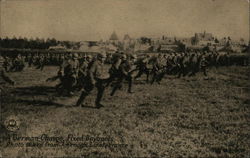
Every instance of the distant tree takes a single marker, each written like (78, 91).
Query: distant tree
(1, 42)
(6, 42)
(67, 44)
(13, 42)
(25, 43)
(53, 42)
(32, 43)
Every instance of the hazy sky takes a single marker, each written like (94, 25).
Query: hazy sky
(97, 19)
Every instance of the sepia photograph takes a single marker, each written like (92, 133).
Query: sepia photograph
(124, 79)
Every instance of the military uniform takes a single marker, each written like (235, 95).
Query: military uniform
(82, 73)
(158, 71)
(144, 67)
(96, 77)
(184, 63)
(114, 70)
(203, 65)
(7, 64)
(193, 65)
(125, 71)
(3, 76)
(41, 62)
(18, 63)
(71, 74)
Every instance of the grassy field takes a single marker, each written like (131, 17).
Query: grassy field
(187, 117)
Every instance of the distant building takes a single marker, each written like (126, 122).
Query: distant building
(127, 41)
(114, 38)
(202, 38)
(168, 48)
(58, 47)
(126, 38)
(110, 48)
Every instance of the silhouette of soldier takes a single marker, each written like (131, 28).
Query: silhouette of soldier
(96, 77)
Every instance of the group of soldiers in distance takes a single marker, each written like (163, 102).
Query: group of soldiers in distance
(38, 60)
(85, 72)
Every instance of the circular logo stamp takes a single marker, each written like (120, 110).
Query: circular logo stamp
(12, 123)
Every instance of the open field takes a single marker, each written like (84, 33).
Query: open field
(187, 117)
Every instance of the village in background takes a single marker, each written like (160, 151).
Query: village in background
(128, 44)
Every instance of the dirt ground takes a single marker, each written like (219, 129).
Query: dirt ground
(187, 117)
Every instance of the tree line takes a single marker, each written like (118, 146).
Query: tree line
(37, 43)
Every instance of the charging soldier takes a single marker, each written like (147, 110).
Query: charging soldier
(158, 69)
(96, 77)
(7, 64)
(184, 65)
(203, 65)
(193, 65)
(3, 76)
(114, 70)
(83, 70)
(144, 67)
(126, 70)
(71, 74)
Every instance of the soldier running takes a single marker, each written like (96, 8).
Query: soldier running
(96, 77)
(126, 69)
(3, 76)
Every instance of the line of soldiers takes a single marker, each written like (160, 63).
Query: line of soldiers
(40, 60)
(16, 64)
(102, 71)
(78, 73)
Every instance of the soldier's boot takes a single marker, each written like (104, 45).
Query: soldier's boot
(179, 74)
(114, 90)
(99, 98)
(160, 77)
(130, 91)
(204, 71)
(130, 87)
(116, 87)
(70, 86)
(81, 99)
(147, 79)
(192, 73)
(185, 72)
(153, 78)
(59, 89)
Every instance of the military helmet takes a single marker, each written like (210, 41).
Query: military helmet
(101, 55)
(89, 56)
(133, 56)
(123, 56)
(70, 55)
(75, 55)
